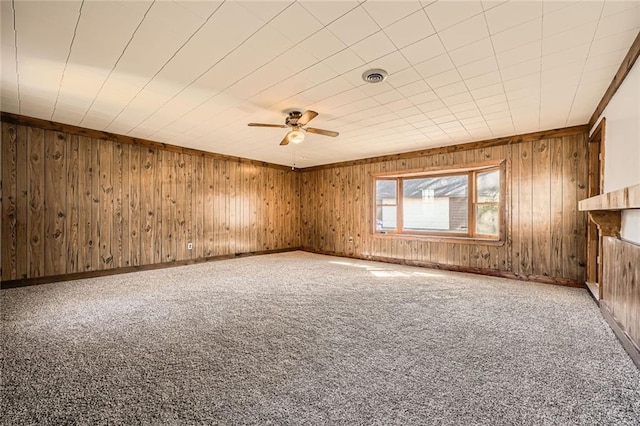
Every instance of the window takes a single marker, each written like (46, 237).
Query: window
(459, 203)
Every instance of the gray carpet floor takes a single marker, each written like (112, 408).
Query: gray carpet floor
(300, 338)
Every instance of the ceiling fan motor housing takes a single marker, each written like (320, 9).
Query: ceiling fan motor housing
(292, 119)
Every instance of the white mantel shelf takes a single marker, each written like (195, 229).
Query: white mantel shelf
(622, 199)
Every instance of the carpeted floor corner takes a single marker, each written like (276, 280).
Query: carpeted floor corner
(300, 338)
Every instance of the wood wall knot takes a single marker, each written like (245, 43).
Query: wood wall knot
(56, 155)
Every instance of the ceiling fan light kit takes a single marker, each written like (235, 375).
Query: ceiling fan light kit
(295, 136)
(297, 121)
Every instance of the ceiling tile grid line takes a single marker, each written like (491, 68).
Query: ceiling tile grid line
(163, 67)
(66, 63)
(194, 74)
(466, 86)
(117, 61)
(15, 53)
(575, 94)
(240, 79)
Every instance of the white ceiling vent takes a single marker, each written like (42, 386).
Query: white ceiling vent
(374, 76)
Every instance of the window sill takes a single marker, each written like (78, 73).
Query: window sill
(441, 239)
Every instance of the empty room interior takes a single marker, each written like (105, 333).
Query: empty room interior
(320, 212)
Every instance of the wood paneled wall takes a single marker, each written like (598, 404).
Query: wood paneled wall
(545, 179)
(621, 285)
(74, 203)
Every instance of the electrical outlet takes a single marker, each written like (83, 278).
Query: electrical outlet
(189, 246)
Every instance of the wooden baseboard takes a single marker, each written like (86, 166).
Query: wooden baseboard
(632, 349)
(594, 290)
(468, 269)
(24, 282)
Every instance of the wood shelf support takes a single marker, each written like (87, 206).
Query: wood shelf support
(608, 221)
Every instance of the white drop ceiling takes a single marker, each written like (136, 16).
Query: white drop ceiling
(194, 73)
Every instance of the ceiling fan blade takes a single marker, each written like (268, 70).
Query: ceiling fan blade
(307, 117)
(285, 140)
(322, 132)
(282, 126)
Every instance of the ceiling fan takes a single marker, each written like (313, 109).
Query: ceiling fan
(297, 120)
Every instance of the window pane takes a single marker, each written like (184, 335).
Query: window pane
(489, 187)
(386, 218)
(436, 204)
(386, 192)
(487, 219)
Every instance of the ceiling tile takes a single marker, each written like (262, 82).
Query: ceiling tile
(486, 91)
(483, 80)
(521, 69)
(492, 100)
(451, 89)
(295, 60)
(296, 23)
(406, 76)
(265, 10)
(343, 61)
(626, 20)
(464, 33)
(614, 7)
(521, 54)
(98, 44)
(393, 62)
(512, 14)
(388, 97)
(46, 33)
(470, 114)
(414, 88)
(327, 12)
(472, 52)
(574, 15)
(477, 68)
(354, 26)
(173, 84)
(409, 30)
(612, 43)
(386, 13)
(428, 107)
(609, 60)
(564, 57)
(458, 99)
(518, 36)
(424, 49)
(373, 47)
(444, 14)
(468, 107)
(423, 97)
(200, 9)
(268, 42)
(530, 81)
(322, 44)
(318, 73)
(578, 36)
(443, 79)
(434, 66)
